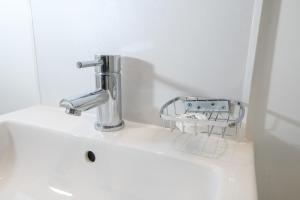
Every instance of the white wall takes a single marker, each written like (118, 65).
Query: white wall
(274, 113)
(170, 48)
(18, 85)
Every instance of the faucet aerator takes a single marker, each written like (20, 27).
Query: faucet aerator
(73, 112)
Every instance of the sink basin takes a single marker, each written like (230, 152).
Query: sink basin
(45, 154)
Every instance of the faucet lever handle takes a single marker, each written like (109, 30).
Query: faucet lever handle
(103, 64)
(92, 63)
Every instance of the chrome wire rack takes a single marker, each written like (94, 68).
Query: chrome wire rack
(203, 115)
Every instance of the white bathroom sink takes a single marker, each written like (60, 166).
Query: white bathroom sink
(43, 156)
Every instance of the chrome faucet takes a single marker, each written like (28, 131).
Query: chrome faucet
(106, 98)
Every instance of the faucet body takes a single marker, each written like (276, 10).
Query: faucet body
(107, 96)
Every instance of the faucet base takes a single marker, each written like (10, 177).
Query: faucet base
(100, 127)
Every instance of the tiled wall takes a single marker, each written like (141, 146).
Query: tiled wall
(18, 83)
(169, 48)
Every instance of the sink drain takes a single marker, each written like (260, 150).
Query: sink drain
(90, 156)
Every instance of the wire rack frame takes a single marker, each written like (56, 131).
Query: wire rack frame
(216, 122)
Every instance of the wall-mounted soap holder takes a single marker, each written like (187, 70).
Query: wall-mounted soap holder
(203, 115)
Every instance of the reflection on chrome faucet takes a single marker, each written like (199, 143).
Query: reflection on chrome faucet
(106, 98)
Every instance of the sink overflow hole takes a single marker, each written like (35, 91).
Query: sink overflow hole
(90, 156)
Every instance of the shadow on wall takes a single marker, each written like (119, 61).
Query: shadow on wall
(139, 77)
(277, 161)
(277, 168)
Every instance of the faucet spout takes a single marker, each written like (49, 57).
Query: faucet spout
(76, 105)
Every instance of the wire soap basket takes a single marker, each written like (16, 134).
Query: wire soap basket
(203, 115)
